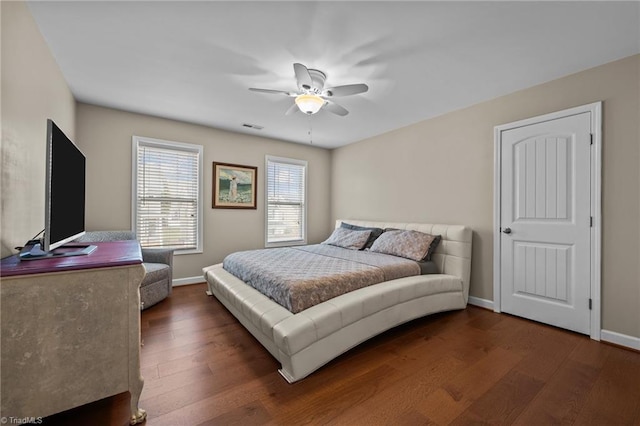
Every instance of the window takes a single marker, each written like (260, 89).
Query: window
(167, 194)
(286, 202)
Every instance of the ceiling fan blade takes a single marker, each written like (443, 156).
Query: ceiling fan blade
(292, 109)
(302, 76)
(277, 92)
(335, 108)
(346, 90)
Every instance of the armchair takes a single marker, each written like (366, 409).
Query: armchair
(158, 264)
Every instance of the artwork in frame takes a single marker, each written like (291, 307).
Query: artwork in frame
(234, 186)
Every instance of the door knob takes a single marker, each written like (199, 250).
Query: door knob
(507, 230)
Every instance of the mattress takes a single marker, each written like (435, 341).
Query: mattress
(298, 278)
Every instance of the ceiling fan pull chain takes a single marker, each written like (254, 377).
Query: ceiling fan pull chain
(310, 131)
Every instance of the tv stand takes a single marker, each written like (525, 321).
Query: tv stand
(35, 252)
(71, 331)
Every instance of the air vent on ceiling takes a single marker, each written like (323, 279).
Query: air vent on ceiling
(252, 126)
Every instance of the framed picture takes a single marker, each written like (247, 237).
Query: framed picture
(234, 186)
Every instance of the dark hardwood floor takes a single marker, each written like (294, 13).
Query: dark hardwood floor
(201, 367)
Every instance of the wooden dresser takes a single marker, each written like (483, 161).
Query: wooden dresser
(71, 330)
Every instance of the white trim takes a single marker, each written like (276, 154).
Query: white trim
(136, 141)
(482, 303)
(596, 212)
(595, 109)
(497, 196)
(296, 162)
(187, 281)
(620, 339)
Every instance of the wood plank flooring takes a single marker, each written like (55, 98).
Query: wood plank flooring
(201, 367)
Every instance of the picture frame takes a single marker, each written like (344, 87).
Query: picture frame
(234, 186)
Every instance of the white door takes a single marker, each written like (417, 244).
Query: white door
(545, 222)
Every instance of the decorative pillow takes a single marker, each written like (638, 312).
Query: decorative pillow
(375, 232)
(432, 247)
(413, 245)
(348, 238)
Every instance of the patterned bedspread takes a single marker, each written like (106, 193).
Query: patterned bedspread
(300, 277)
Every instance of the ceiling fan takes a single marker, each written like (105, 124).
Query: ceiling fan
(312, 95)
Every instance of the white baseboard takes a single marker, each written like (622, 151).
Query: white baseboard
(483, 303)
(606, 335)
(187, 281)
(620, 339)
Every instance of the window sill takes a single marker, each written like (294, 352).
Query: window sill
(286, 244)
(192, 251)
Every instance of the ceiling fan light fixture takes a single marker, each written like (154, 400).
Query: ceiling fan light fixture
(312, 96)
(309, 104)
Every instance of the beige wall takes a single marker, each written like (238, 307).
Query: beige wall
(33, 89)
(438, 170)
(441, 171)
(105, 134)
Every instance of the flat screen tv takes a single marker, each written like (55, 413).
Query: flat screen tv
(64, 189)
(64, 198)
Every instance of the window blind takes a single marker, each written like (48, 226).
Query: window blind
(167, 202)
(285, 201)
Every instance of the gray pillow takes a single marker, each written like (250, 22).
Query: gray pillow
(375, 232)
(428, 267)
(413, 245)
(432, 247)
(348, 238)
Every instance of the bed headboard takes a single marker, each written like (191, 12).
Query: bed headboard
(453, 254)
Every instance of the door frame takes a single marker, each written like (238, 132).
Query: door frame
(595, 109)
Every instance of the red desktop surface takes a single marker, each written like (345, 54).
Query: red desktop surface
(107, 254)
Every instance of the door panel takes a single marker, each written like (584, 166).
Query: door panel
(540, 270)
(543, 178)
(545, 187)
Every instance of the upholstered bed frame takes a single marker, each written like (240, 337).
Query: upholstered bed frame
(305, 341)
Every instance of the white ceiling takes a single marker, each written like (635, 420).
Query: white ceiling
(194, 61)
